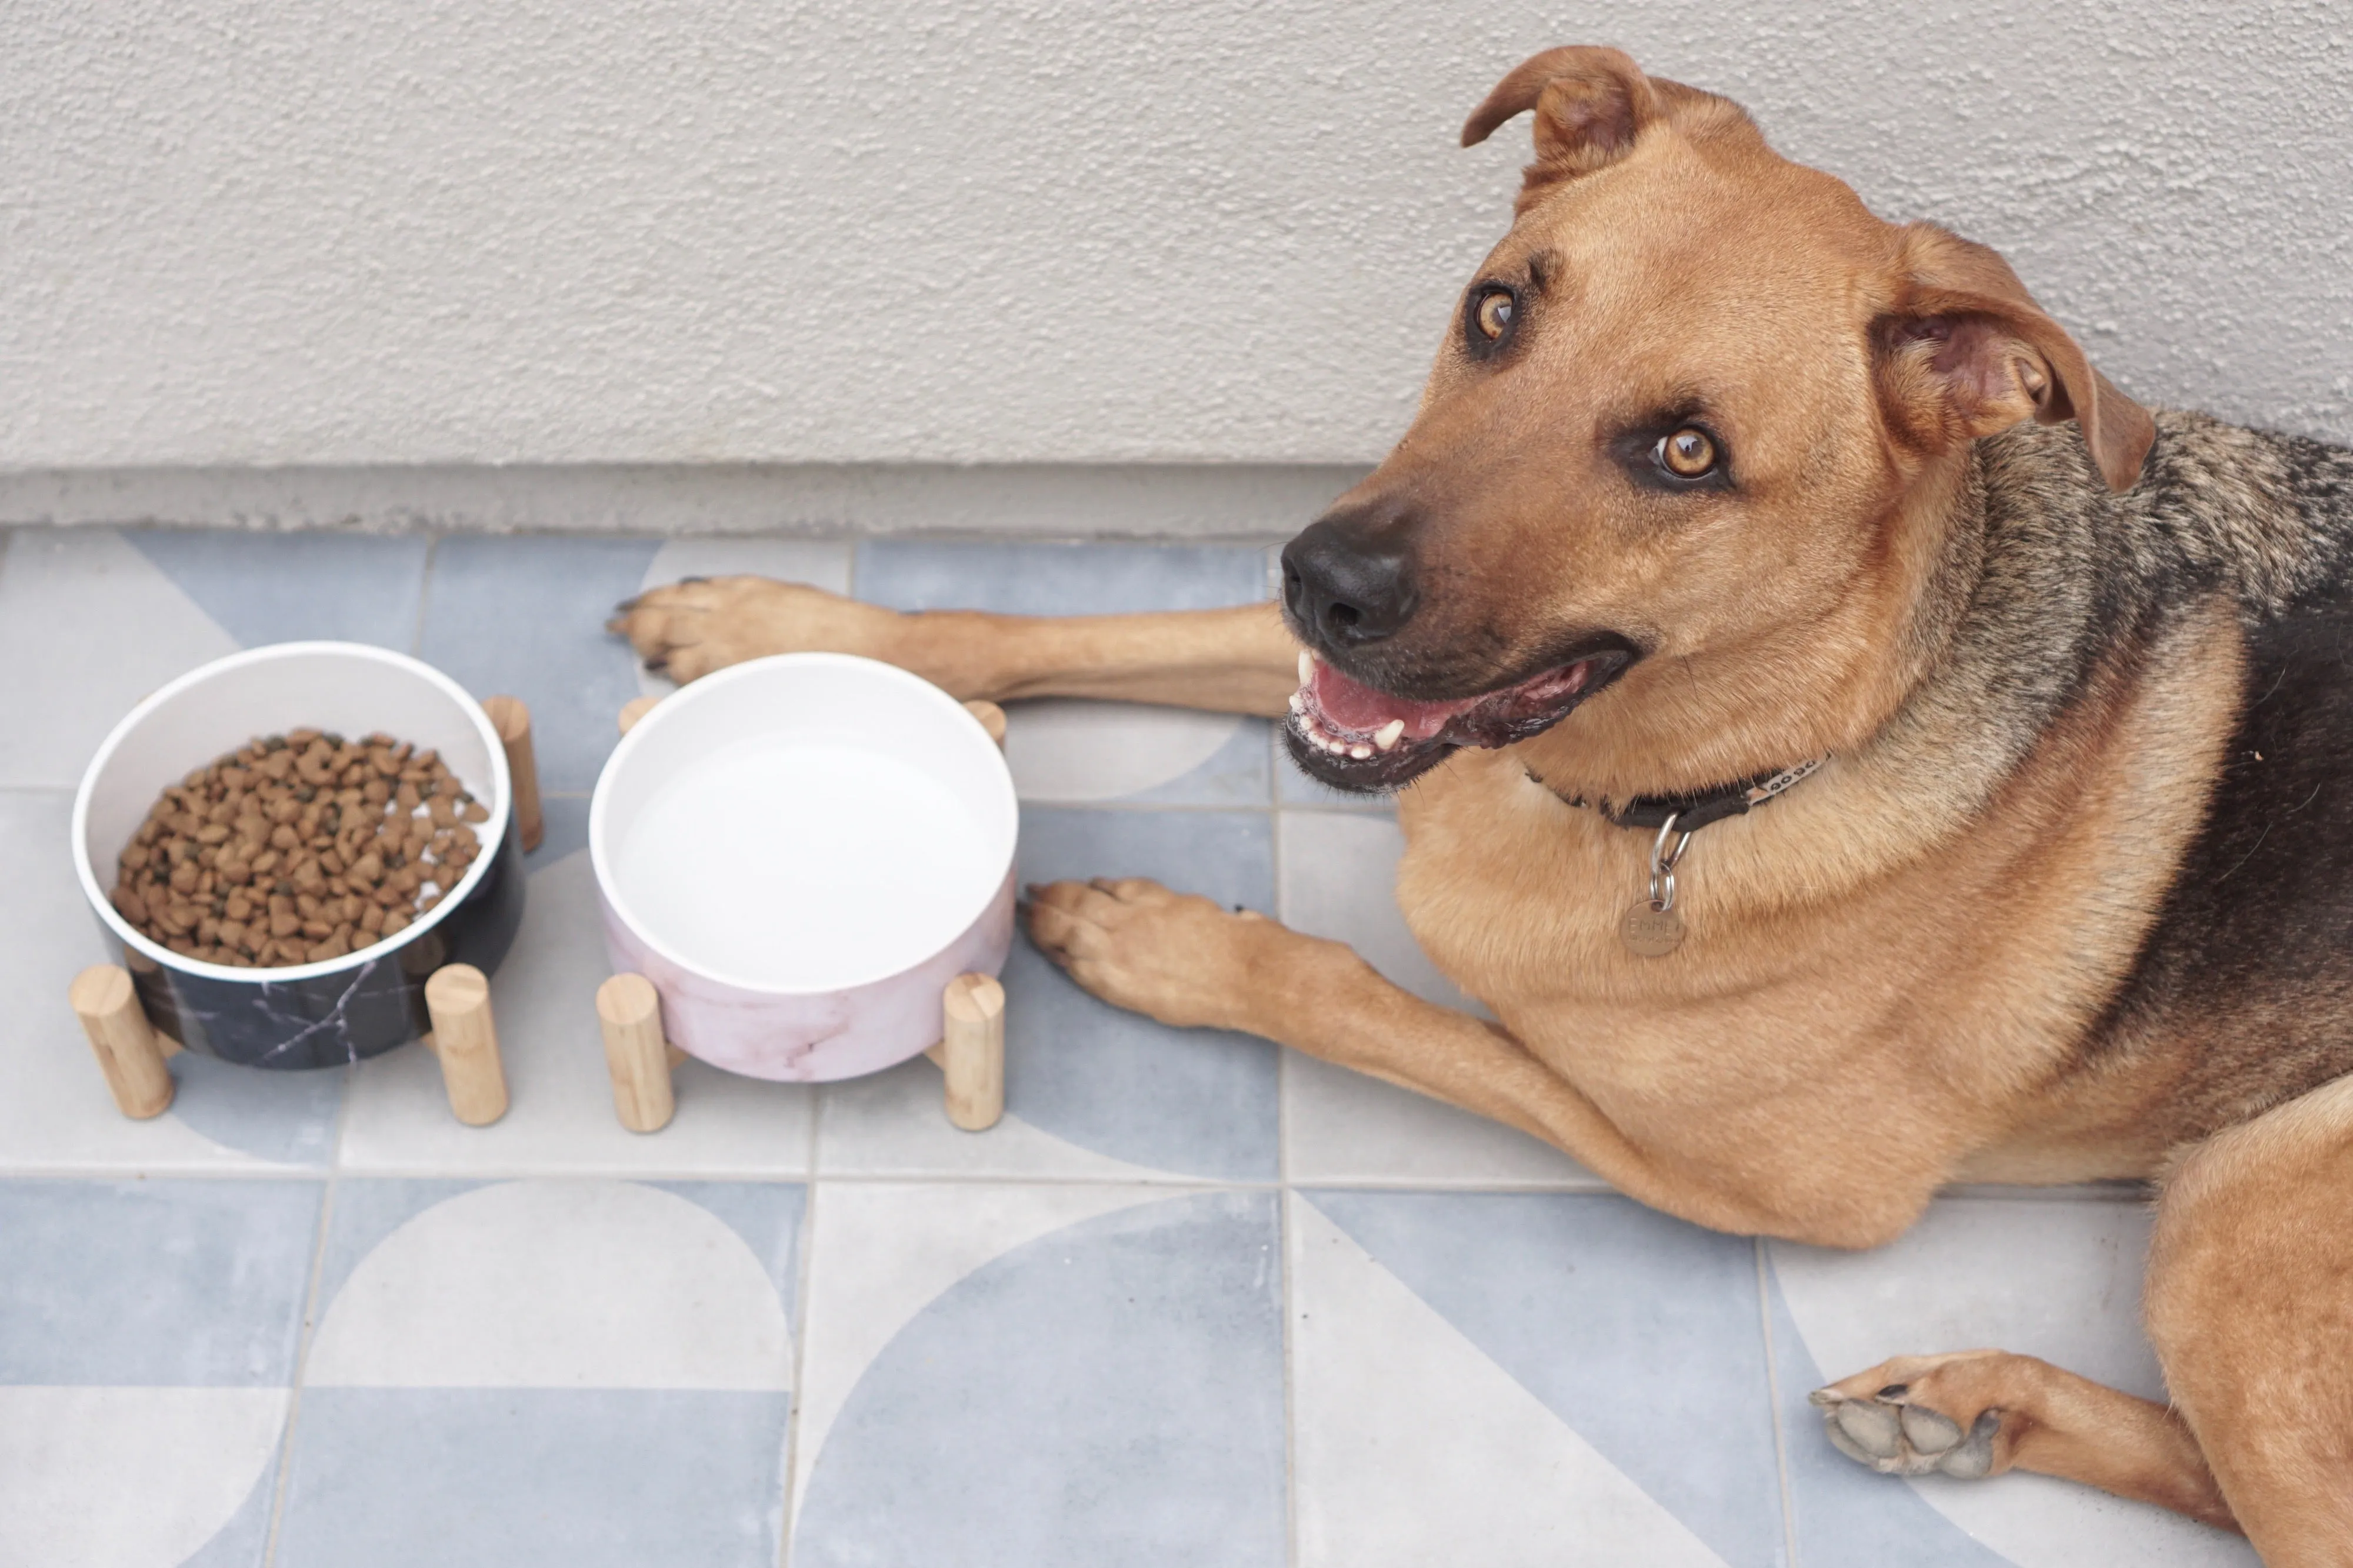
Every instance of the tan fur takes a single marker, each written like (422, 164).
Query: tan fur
(2250, 1304)
(1891, 973)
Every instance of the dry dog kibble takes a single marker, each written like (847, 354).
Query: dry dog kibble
(298, 848)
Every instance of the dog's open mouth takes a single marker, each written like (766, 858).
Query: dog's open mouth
(1355, 737)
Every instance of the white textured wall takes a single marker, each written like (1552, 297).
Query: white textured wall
(415, 231)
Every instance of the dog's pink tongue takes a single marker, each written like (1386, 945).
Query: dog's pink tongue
(1355, 706)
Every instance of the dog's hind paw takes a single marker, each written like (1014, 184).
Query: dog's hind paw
(1917, 1415)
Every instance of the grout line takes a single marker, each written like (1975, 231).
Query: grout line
(1773, 1399)
(261, 1170)
(1285, 1241)
(424, 595)
(311, 1310)
(1282, 1073)
(1173, 1180)
(803, 1286)
(1197, 806)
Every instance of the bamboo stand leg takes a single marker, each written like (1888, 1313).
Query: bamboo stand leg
(129, 1050)
(991, 717)
(466, 1038)
(971, 1052)
(512, 721)
(635, 709)
(629, 1011)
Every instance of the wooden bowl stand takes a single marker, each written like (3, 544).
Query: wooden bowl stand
(970, 1053)
(132, 1051)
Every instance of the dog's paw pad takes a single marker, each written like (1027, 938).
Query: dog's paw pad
(1928, 1432)
(1873, 1431)
(1972, 1459)
(1899, 1438)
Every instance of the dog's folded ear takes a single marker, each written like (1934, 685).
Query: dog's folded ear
(1963, 352)
(1590, 105)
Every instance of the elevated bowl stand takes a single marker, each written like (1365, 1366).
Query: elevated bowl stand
(132, 1051)
(970, 1052)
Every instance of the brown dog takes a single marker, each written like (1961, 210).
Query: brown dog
(2014, 725)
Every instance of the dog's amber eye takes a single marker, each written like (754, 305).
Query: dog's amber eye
(1494, 313)
(1688, 454)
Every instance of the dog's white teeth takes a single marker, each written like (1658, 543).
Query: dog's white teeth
(1360, 751)
(1298, 703)
(1307, 667)
(1387, 735)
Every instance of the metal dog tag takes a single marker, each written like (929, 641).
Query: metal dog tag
(1651, 931)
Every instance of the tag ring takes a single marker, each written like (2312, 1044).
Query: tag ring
(1663, 861)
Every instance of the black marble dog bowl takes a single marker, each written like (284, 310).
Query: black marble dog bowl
(340, 1010)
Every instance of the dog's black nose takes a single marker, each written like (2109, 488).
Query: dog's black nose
(1348, 577)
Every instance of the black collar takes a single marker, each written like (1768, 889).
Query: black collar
(1692, 812)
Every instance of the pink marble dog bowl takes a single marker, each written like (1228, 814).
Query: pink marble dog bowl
(800, 852)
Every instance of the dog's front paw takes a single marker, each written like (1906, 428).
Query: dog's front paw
(1175, 957)
(1915, 1415)
(703, 624)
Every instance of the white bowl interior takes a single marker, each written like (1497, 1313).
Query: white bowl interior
(807, 823)
(342, 688)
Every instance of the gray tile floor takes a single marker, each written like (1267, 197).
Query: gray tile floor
(1191, 1303)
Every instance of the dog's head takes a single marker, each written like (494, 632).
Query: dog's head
(1692, 440)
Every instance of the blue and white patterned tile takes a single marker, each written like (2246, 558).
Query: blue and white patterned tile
(524, 615)
(200, 1463)
(573, 1373)
(1337, 879)
(103, 626)
(560, 1116)
(880, 1253)
(1642, 1335)
(1065, 752)
(553, 1284)
(1042, 1377)
(531, 1478)
(1107, 1084)
(895, 1123)
(57, 1114)
(287, 587)
(180, 1284)
(1054, 579)
(2054, 1278)
(1411, 1447)
(148, 1332)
